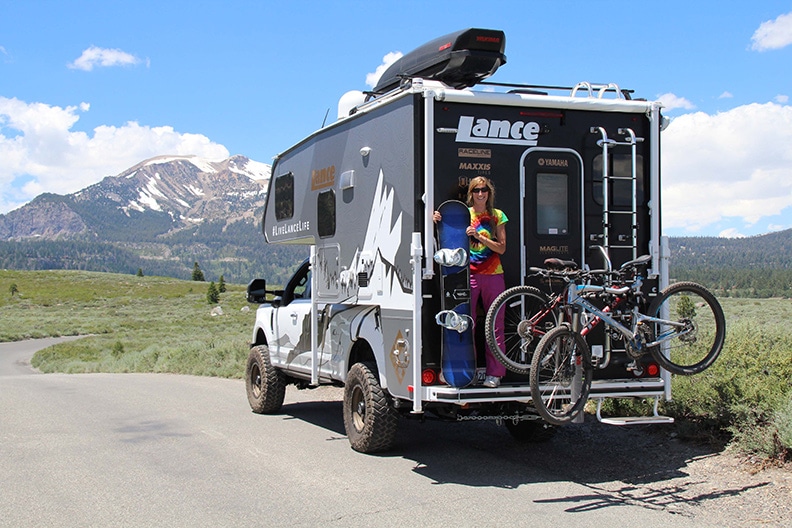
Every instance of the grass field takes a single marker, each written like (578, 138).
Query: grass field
(133, 324)
(156, 324)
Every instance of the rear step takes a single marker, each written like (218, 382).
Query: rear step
(634, 420)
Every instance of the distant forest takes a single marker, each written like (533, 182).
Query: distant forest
(239, 254)
(742, 267)
(759, 266)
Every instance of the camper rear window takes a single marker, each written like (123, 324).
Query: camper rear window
(326, 213)
(552, 204)
(620, 190)
(284, 196)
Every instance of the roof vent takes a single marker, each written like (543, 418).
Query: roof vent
(459, 60)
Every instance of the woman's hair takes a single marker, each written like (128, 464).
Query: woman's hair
(482, 181)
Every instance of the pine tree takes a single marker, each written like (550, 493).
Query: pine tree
(221, 285)
(140, 272)
(197, 274)
(212, 295)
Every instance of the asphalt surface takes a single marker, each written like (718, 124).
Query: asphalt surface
(167, 450)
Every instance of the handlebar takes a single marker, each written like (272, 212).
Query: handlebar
(570, 274)
(582, 277)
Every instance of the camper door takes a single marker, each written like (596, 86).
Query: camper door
(551, 216)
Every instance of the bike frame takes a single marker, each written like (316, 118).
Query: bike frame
(574, 293)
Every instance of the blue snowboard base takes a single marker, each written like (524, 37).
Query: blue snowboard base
(458, 360)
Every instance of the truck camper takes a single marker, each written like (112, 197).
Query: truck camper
(573, 167)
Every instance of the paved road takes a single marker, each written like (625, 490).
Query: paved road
(167, 450)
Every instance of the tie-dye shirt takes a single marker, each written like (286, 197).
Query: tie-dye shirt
(483, 260)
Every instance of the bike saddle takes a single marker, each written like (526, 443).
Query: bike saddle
(643, 260)
(560, 265)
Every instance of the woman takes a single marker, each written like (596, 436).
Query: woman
(487, 232)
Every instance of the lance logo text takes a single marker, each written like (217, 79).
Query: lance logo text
(472, 130)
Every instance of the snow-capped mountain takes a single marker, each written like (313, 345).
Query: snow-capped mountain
(158, 196)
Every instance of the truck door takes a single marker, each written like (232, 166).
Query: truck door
(551, 210)
(293, 319)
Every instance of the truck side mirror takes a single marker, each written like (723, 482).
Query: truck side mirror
(257, 291)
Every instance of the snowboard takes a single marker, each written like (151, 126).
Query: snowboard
(458, 359)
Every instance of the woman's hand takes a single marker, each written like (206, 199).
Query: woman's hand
(436, 216)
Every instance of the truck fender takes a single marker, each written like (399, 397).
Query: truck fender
(358, 331)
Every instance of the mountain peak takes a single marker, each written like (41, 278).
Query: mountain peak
(172, 192)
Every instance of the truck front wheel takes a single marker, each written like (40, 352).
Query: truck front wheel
(265, 384)
(369, 419)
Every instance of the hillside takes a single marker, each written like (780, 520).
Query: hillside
(160, 216)
(759, 266)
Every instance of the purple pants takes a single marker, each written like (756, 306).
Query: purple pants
(487, 287)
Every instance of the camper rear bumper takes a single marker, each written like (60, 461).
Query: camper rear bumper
(521, 392)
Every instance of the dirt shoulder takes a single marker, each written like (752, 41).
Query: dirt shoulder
(650, 466)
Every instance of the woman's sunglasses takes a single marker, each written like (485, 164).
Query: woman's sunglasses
(480, 190)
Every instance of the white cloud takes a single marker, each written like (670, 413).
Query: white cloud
(735, 164)
(672, 102)
(781, 99)
(725, 95)
(773, 34)
(41, 152)
(731, 233)
(95, 56)
(387, 60)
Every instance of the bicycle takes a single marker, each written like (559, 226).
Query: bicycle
(525, 314)
(683, 330)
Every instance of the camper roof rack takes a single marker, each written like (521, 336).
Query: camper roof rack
(460, 59)
(592, 89)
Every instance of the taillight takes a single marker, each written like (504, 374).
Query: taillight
(652, 370)
(428, 377)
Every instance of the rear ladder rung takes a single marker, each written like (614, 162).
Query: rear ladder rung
(633, 420)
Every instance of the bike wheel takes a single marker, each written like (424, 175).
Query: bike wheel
(694, 346)
(516, 321)
(561, 374)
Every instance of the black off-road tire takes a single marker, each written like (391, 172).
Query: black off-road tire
(369, 418)
(265, 384)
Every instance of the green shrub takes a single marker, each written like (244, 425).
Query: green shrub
(118, 349)
(212, 294)
(783, 423)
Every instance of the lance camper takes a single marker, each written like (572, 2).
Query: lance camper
(573, 167)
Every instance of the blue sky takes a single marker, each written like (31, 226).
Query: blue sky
(90, 88)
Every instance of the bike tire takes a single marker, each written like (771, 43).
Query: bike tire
(562, 360)
(698, 345)
(526, 317)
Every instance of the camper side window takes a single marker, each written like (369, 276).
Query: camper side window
(326, 213)
(284, 196)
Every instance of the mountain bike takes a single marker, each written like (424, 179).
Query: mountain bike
(683, 330)
(520, 316)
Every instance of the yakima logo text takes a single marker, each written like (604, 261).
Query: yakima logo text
(472, 130)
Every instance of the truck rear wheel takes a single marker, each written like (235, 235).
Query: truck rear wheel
(265, 384)
(369, 419)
